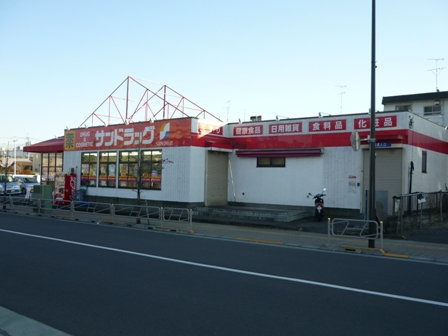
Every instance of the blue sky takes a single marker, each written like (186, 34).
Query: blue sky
(60, 59)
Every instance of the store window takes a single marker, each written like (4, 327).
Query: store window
(50, 165)
(151, 169)
(89, 162)
(108, 169)
(128, 169)
(271, 162)
(148, 173)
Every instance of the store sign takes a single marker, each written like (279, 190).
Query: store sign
(206, 128)
(248, 130)
(380, 122)
(383, 144)
(285, 128)
(327, 125)
(138, 135)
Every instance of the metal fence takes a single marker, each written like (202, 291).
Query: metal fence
(419, 210)
(127, 214)
(355, 228)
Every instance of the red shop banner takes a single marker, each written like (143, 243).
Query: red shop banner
(248, 130)
(139, 135)
(327, 125)
(285, 128)
(380, 122)
(207, 128)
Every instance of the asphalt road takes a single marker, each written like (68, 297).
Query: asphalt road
(87, 279)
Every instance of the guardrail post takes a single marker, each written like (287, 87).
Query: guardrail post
(162, 213)
(190, 219)
(329, 229)
(72, 209)
(147, 212)
(112, 210)
(440, 205)
(381, 234)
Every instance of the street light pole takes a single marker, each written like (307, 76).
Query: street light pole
(372, 140)
(15, 156)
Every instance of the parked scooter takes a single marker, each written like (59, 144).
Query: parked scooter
(318, 204)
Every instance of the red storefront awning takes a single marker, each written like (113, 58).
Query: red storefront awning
(301, 152)
(49, 146)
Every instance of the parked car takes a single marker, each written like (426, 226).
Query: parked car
(26, 181)
(12, 187)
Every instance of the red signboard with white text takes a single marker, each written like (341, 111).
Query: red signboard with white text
(248, 130)
(380, 122)
(327, 125)
(287, 128)
(172, 133)
(208, 128)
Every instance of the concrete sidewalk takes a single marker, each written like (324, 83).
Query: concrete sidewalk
(393, 248)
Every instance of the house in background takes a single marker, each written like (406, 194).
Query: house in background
(430, 105)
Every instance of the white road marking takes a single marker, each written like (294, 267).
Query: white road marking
(226, 269)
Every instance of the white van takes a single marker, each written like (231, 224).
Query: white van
(26, 181)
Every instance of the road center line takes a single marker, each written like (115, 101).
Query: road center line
(226, 269)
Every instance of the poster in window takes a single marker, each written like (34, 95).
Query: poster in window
(111, 169)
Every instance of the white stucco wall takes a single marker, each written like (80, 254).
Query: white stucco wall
(183, 179)
(290, 185)
(437, 173)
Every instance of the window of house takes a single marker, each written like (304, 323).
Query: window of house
(402, 107)
(424, 161)
(89, 163)
(108, 169)
(270, 162)
(435, 109)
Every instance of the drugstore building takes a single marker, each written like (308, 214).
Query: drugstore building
(191, 161)
(188, 162)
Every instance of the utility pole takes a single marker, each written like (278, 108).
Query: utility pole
(372, 140)
(436, 71)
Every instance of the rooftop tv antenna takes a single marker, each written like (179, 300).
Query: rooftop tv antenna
(228, 109)
(436, 71)
(341, 93)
